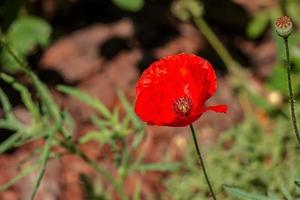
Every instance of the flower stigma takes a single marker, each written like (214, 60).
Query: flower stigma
(183, 106)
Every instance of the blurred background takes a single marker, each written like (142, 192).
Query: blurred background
(67, 82)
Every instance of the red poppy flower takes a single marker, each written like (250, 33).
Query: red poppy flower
(174, 89)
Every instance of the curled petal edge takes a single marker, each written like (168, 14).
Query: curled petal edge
(218, 108)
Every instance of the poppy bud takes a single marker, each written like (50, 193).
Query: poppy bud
(284, 26)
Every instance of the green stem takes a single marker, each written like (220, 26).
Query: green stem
(42, 90)
(21, 63)
(291, 93)
(44, 158)
(40, 87)
(71, 147)
(202, 163)
(216, 45)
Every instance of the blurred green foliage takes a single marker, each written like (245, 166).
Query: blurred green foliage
(186, 9)
(249, 157)
(130, 5)
(24, 35)
(261, 23)
(258, 25)
(249, 161)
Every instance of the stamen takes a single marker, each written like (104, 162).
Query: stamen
(183, 106)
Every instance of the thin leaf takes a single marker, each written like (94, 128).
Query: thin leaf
(130, 5)
(258, 24)
(87, 99)
(10, 125)
(69, 122)
(25, 95)
(130, 112)
(101, 124)
(46, 97)
(137, 192)
(25, 172)
(6, 105)
(286, 192)
(138, 139)
(156, 167)
(102, 136)
(10, 142)
(236, 192)
(45, 156)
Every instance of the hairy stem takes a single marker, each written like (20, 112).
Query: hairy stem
(291, 93)
(202, 163)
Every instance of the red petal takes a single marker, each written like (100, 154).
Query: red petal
(218, 108)
(172, 78)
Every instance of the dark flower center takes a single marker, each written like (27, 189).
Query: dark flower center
(183, 106)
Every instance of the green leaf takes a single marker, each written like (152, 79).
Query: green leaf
(6, 105)
(104, 136)
(89, 189)
(258, 24)
(26, 32)
(25, 95)
(45, 155)
(261, 102)
(9, 142)
(236, 192)
(277, 80)
(10, 125)
(115, 116)
(46, 97)
(138, 125)
(87, 99)
(69, 123)
(100, 123)
(286, 192)
(137, 192)
(25, 172)
(130, 5)
(156, 167)
(23, 36)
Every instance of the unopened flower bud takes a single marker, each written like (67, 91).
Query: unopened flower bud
(284, 26)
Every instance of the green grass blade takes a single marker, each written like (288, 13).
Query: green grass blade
(51, 107)
(87, 99)
(25, 95)
(244, 195)
(6, 105)
(137, 192)
(40, 87)
(10, 142)
(156, 167)
(22, 174)
(45, 156)
(69, 123)
(130, 111)
(6, 124)
(101, 124)
(46, 97)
